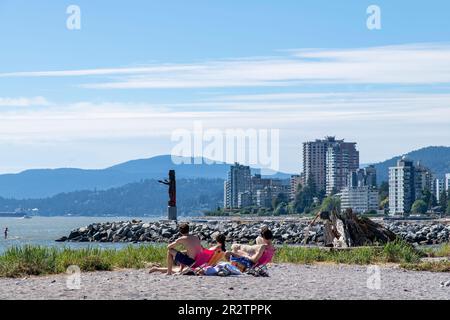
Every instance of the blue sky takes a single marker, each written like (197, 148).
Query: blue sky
(138, 70)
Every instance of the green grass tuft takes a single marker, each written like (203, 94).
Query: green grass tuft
(395, 252)
(440, 266)
(36, 261)
(400, 251)
(441, 251)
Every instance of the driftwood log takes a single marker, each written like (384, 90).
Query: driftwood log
(349, 230)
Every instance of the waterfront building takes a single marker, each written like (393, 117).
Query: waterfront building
(406, 184)
(264, 198)
(439, 187)
(245, 199)
(315, 161)
(239, 181)
(342, 158)
(361, 199)
(423, 179)
(296, 181)
(361, 193)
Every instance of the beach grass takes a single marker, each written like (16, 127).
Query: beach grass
(394, 252)
(442, 251)
(37, 261)
(437, 252)
(438, 266)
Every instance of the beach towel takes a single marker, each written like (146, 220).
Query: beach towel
(242, 263)
(223, 269)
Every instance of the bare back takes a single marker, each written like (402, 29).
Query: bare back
(192, 244)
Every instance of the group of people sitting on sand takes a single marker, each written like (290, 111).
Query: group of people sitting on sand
(217, 260)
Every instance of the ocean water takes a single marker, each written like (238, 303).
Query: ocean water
(43, 231)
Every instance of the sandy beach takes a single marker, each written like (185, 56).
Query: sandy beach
(299, 282)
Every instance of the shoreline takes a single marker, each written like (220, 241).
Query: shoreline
(286, 281)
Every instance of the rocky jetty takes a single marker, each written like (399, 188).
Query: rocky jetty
(285, 232)
(165, 231)
(422, 233)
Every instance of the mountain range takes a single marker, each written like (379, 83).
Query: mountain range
(131, 188)
(437, 159)
(43, 183)
(144, 198)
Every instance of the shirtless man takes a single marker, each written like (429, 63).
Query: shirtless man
(192, 245)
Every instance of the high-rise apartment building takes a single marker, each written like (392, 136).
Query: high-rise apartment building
(423, 179)
(361, 193)
(295, 182)
(406, 184)
(264, 198)
(239, 181)
(315, 161)
(336, 156)
(259, 183)
(401, 187)
(341, 159)
(245, 199)
(226, 195)
(363, 177)
(439, 187)
(370, 174)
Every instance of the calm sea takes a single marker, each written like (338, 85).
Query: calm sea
(44, 231)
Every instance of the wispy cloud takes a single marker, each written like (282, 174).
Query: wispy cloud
(300, 113)
(393, 110)
(99, 72)
(23, 102)
(409, 120)
(409, 64)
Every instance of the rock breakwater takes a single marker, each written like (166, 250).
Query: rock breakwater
(285, 232)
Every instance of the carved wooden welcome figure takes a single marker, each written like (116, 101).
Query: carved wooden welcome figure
(172, 188)
(172, 183)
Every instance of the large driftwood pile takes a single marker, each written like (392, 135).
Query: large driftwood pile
(349, 230)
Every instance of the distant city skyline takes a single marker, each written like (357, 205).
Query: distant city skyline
(136, 71)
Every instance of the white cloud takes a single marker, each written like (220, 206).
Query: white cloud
(403, 64)
(23, 102)
(384, 124)
(85, 120)
(98, 72)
